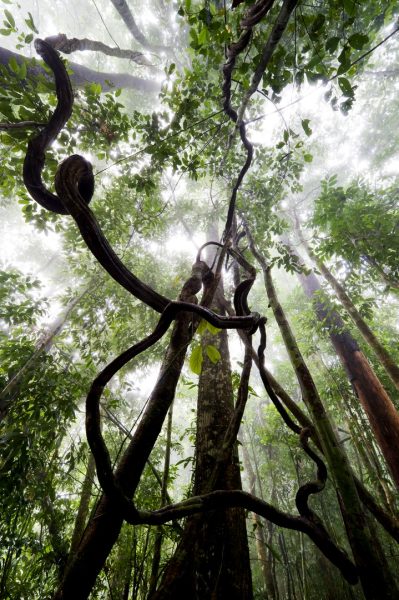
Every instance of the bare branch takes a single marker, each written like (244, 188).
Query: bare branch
(66, 45)
(127, 16)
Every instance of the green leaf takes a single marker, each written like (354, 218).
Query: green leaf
(306, 128)
(203, 36)
(345, 86)
(22, 70)
(350, 7)
(30, 23)
(318, 22)
(196, 359)
(332, 44)
(358, 40)
(9, 18)
(212, 329)
(252, 391)
(202, 327)
(308, 158)
(13, 65)
(213, 354)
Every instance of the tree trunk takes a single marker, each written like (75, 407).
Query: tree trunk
(83, 510)
(382, 354)
(212, 559)
(82, 75)
(11, 389)
(164, 489)
(375, 582)
(263, 557)
(381, 413)
(127, 16)
(104, 527)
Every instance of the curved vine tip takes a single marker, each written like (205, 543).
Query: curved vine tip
(38, 145)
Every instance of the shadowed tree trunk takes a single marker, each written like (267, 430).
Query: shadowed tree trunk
(103, 528)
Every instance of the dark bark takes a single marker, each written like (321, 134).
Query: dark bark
(104, 527)
(212, 559)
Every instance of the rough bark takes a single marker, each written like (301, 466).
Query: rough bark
(212, 559)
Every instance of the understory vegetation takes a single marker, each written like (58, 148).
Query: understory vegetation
(199, 286)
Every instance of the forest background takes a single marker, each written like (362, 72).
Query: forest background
(316, 89)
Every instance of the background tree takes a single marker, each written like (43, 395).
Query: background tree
(241, 87)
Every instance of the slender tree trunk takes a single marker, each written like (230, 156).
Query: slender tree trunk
(158, 534)
(389, 522)
(368, 335)
(289, 577)
(373, 579)
(212, 558)
(381, 413)
(83, 510)
(128, 18)
(265, 563)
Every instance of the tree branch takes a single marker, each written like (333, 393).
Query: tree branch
(66, 45)
(127, 16)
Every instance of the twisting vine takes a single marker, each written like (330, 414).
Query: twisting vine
(74, 184)
(254, 15)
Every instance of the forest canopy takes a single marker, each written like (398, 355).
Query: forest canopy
(199, 279)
